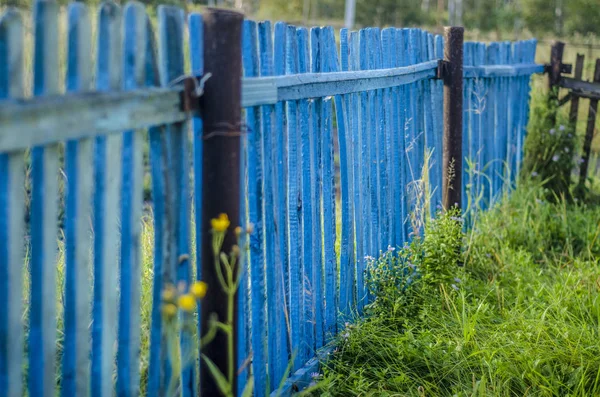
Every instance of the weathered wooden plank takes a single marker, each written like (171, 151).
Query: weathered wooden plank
(250, 52)
(428, 111)
(529, 58)
(382, 111)
(356, 121)
(196, 40)
(107, 182)
(316, 182)
(502, 120)
(580, 85)
(342, 105)
(171, 64)
(491, 134)
(306, 132)
(79, 171)
(85, 115)
(44, 212)
(156, 386)
(515, 114)
(276, 170)
(477, 109)
(128, 376)
(401, 46)
(412, 120)
(371, 141)
(280, 189)
(276, 314)
(510, 89)
(326, 42)
(516, 70)
(589, 132)
(293, 208)
(527, 55)
(573, 112)
(363, 64)
(270, 90)
(419, 121)
(12, 211)
(391, 52)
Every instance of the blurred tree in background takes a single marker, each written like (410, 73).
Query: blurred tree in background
(557, 17)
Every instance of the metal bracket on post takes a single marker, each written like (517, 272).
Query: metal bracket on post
(190, 102)
(565, 68)
(193, 88)
(443, 69)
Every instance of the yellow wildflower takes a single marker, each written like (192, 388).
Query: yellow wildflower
(169, 293)
(238, 231)
(187, 302)
(198, 289)
(221, 223)
(169, 310)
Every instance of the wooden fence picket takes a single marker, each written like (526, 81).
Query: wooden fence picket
(12, 211)
(44, 213)
(79, 171)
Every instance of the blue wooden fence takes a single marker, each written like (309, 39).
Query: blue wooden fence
(343, 145)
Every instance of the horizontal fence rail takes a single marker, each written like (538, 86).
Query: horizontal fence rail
(102, 186)
(86, 115)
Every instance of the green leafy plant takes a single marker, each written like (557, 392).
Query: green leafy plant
(392, 280)
(402, 281)
(524, 320)
(550, 149)
(228, 269)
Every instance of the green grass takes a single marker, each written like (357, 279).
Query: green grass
(525, 321)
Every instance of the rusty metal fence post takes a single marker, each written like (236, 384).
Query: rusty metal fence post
(453, 118)
(221, 113)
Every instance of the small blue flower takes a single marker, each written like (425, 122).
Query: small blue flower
(555, 157)
(488, 255)
(534, 174)
(566, 150)
(457, 280)
(390, 248)
(561, 128)
(581, 160)
(455, 287)
(552, 131)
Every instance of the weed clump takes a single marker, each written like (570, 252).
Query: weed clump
(401, 280)
(520, 317)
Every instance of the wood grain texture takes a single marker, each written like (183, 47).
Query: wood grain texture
(79, 172)
(44, 213)
(12, 212)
